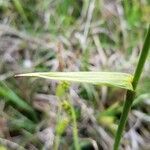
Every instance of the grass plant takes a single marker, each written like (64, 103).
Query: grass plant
(131, 94)
(120, 80)
(30, 31)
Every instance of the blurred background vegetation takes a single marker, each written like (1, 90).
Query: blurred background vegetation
(71, 35)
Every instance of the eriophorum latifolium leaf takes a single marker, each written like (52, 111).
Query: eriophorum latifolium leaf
(114, 79)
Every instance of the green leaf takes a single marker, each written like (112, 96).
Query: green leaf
(115, 79)
(10, 96)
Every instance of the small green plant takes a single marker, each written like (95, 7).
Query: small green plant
(120, 80)
(62, 122)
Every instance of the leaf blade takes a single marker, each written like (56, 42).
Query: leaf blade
(115, 79)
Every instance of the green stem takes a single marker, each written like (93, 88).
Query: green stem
(57, 142)
(142, 59)
(58, 135)
(75, 130)
(123, 119)
(130, 94)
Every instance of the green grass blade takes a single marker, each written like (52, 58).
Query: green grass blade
(18, 5)
(114, 79)
(10, 96)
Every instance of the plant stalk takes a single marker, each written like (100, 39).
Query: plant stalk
(131, 94)
(142, 59)
(75, 130)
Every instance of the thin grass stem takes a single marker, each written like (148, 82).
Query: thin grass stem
(58, 136)
(123, 119)
(142, 59)
(131, 94)
(75, 130)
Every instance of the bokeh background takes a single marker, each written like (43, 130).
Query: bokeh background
(71, 35)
